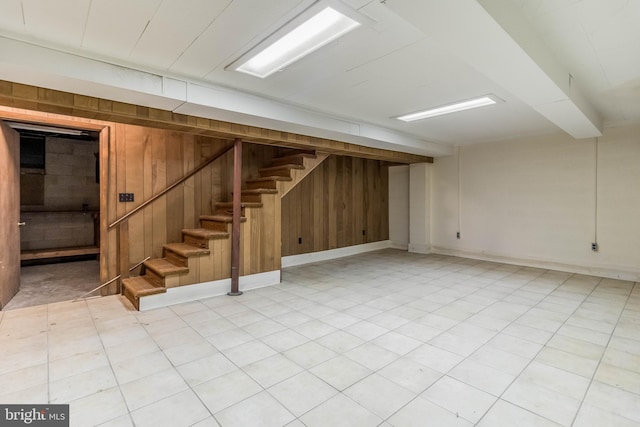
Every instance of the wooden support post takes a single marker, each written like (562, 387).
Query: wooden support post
(237, 207)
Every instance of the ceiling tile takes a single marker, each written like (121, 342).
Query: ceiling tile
(357, 4)
(239, 25)
(593, 39)
(113, 33)
(505, 121)
(345, 56)
(60, 22)
(384, 69)
(174, 27)
(11, 17)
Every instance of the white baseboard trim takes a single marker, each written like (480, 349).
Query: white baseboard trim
(294, 260)
(182, 294)
(419, 248)
(610, 272)
(398, 245)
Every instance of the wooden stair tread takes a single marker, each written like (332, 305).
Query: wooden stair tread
(270, 178)
(293, 151)
(223, 205)
(186, 250)
(164, 268)
(221, 218)
(260, 191)
(139, 287)
(281, 167)
(205, 233)
(297, 158)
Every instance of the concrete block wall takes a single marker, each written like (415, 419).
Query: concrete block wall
(69, 182)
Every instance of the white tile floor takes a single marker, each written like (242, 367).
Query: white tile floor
(382, 339)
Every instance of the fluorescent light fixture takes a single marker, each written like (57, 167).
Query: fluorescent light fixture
(312, 29)
(451, 108)
(42, 128)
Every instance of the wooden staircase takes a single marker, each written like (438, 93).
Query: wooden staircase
(205, 253)
(287, 171)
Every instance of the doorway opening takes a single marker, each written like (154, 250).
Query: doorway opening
(59, 213)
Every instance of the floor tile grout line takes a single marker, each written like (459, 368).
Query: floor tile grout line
(606, 347)
(446, 374)
(99, 334)
(341, 391)
(544, 345)
(175, 368)
(539, 302)
(238, 367)
(376, 296)
(417, 395)
(534, 357)
(241, 368)
(452, 326)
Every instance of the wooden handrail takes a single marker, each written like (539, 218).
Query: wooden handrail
(170, 187)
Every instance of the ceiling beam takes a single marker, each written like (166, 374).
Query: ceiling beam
(492, 37)
(26, 97)
(39, 66)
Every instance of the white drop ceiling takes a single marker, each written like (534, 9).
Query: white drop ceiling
(559, 65)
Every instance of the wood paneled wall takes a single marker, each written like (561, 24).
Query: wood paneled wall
(254, 157)
(332, 206)
(144, 161)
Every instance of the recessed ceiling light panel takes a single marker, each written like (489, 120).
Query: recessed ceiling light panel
(317, 26)
(451, 108)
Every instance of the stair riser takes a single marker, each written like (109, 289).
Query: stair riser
(228, 211)
(262, 184)
(176, 259)
(155, 278)
(229, 205)
(295, 151)
(200, 243)
(135, 301)
(215, 225)
(276, 172)
(252, 198)
(291, 160)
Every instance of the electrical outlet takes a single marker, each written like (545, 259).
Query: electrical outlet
(125, 197)
(594, 247)
(458, 235)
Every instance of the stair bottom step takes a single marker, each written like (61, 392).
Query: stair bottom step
(136, 287)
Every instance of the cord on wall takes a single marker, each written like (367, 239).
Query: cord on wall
(594, 245)
(458, 233)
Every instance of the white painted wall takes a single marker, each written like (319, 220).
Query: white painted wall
(420, 208)
(533, 202)
(399, 206)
